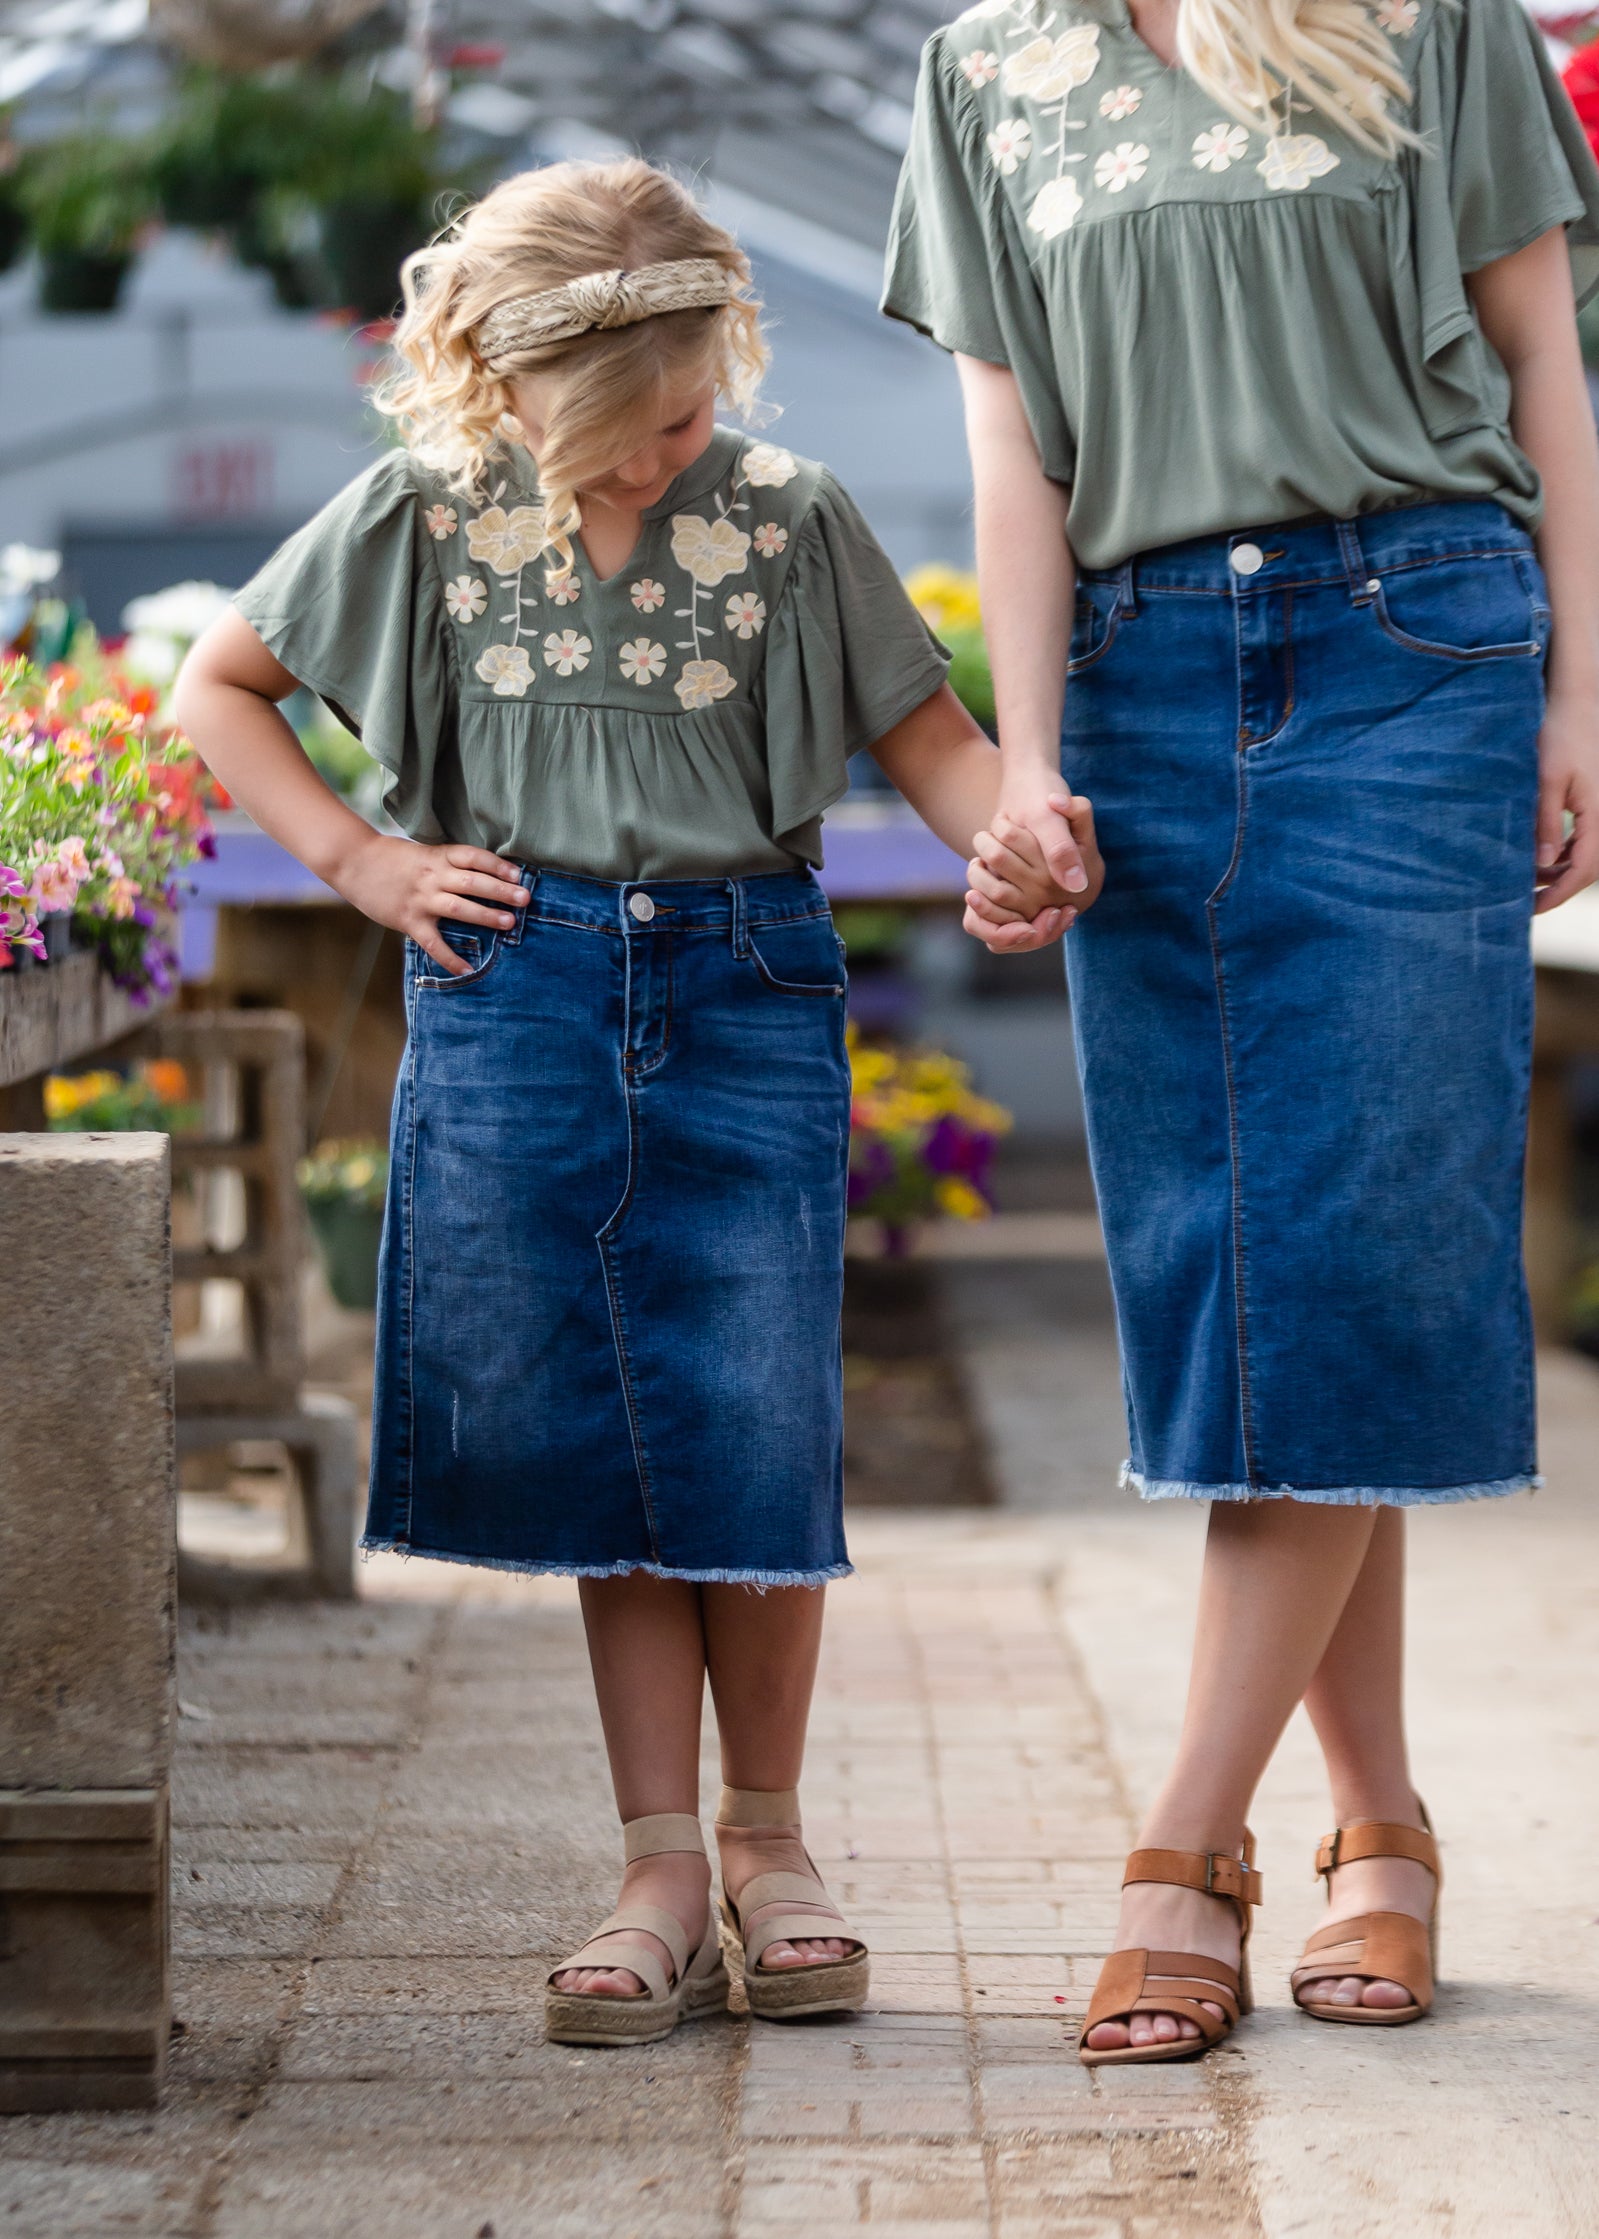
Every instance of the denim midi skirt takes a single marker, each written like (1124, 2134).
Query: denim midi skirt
(608, 1327)
(1303, 1005)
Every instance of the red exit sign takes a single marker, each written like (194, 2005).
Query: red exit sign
(222, 481)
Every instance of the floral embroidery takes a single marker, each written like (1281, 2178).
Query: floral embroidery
(980, 68)
(1046, 68)
(746, 614)
(1293, 159)
(440, 520)
(507, 668)
(466, 598)
(1055, 207)
(702, 682)
(1398, 17)
(647, 596)
(1010, 143)
(1221, 147)
(1121, 103)
(1121, 167)
(766, 467)
(564, 588)
(641, 660)
(565, 651)
(769, 539)
(506, 541)
(708, 550)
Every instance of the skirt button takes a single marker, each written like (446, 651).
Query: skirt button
(1247, 559)
(641, 907)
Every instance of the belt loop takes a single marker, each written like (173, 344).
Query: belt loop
(1356, 573)
(1127, 589)
(741, 931)
(529, 879)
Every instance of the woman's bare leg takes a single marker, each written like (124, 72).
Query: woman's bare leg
(761, 1651)
(1277, 1575)
(1356, 1703)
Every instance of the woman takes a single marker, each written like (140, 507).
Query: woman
(1265, 330)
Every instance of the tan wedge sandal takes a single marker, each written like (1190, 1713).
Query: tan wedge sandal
(1382, 1946)
(697, 1985)
(829, 1986)
(1175, 1982)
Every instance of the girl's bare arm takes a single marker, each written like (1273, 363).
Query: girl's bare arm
(226, 700)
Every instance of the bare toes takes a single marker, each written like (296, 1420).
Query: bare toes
(1385, 1994)
(1108, 2036)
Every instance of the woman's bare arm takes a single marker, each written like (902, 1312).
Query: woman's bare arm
(1525, 307)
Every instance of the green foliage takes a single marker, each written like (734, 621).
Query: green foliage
(347, 1170)
(87, 194)
(971, 679)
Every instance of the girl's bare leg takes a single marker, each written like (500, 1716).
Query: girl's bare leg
(646, 1641)
(761, 1651)
(1277, 1576)
(1356, 1703)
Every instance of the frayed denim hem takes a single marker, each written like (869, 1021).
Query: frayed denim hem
(1328, 1496)
(760, 1579)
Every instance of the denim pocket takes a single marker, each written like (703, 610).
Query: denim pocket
(1096, 618)
(799, 956)
(1488, 606)
(475, 945)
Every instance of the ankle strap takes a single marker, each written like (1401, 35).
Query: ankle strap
(1375, 1838)
(758, 1807)
(1218, 1873)
(661, 1831)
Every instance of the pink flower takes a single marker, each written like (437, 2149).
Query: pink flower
(123, 896)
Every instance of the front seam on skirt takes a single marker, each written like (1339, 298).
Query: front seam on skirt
(1329, 1496)
(761, 1579)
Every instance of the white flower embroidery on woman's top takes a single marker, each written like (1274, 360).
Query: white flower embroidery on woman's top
(1398, 17)
(506, 541)
(1294, 159)
(770, 539)
(1046, 68)
(746, 614)
(1121, 167)
(1221, 147)
(565, 651)
(1120, 103)
(641, 660)
(507, 668)
(979, 68)
(1055, 207)
(767, 467)
(703, 681)
(564, 588)
(708, 550)
(647, 596)
(466, 598)
(440, 521)
(1010, 143)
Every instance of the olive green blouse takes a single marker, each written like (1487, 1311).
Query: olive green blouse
(1214, 326)
(689, 717)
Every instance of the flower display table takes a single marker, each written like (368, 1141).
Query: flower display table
(54, 1015)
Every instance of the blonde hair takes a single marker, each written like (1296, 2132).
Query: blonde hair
(1256, 55)
(542, 230)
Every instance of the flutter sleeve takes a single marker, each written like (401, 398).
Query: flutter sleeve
(848, 657)
(352, 605)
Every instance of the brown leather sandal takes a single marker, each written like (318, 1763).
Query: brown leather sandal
(1175, 1982)
(1381, 1946)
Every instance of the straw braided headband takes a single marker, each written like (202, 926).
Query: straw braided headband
(601, 299)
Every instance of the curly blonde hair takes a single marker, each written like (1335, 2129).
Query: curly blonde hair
(541, 230)
(1254, 57)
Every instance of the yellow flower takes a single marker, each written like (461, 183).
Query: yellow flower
(945, 597)
(959, 1199)
(65, 1094)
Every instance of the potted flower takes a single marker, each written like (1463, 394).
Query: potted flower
(343, 1184)
(921, 1141)
(88, 198)
(155, 1096)
(946, 598)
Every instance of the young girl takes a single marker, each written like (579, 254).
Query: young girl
(615, 690)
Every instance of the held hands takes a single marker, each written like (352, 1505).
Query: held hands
(409, 886)
(1026, 890)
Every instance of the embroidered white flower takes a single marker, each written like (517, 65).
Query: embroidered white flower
(1046, 68)
(1294, 159)
(770, 539)
(641, 660)
(507, 668)
(702, 682)
(768, 467)
(979, 68)
(465, 598)
(565, 651)
(1120, 103)
(1398, 17)
(1055, 207)
(1221, 147)
(647, 596)
(746, 614)
(1121, 167)
(506, 541)
(564, 588)
(440, 520)
(1010, 143)
(708, 549)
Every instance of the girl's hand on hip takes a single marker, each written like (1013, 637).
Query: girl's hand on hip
(409, 886)
(1568, 784)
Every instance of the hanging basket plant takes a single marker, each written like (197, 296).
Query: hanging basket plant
(87, 198)
(253, 34)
